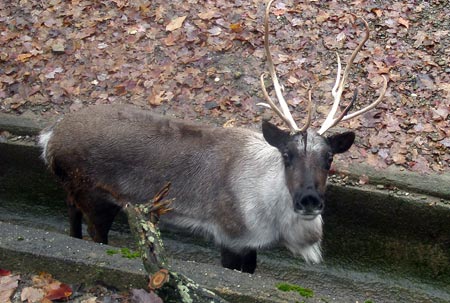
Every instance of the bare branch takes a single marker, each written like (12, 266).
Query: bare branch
(168, 285)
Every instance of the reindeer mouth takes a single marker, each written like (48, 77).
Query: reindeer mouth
(309, 215)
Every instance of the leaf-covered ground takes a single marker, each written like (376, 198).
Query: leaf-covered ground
(202, 60)
(43, 288)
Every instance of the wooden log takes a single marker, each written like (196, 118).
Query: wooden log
(167, 284)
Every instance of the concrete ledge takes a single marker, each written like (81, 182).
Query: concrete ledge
(20, 125)
(28, 250)
(25, 249)
(32, 250)
(436, 185)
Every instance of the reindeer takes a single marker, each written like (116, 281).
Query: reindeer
(244, 189)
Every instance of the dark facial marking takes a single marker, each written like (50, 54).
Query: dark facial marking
(307, 166)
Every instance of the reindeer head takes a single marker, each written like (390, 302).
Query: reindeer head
(308, 154)
(307, 159)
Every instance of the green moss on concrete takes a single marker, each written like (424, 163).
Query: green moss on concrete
(304, 292)
(125, 253)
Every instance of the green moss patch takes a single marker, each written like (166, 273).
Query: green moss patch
(125, 252)
(304, 292)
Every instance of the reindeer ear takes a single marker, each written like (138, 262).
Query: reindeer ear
(274, 135)
(340, 143)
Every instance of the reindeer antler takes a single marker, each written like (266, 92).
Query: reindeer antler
(284, 113)
(336, 92)
(338, 88)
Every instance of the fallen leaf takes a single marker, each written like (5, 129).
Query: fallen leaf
(4, 272)
(229, 123)
(58, 47)
(399, 159)
(102, 45)
(382, 68)
(57, 291)
(142, 296)
(440, 113)
(445, 142)
(51, 74)
(50, 22)
(156, 97)
(391, 23)
(207, 15)
(42, 279)
(392, 123)
(292, 80)
(236, 27)
(279, 11)
(423, 128)
(159, 12)
(23, 57)
(28, 56)
(170, 40)
(215, 31)
(420, 37)
(121, 3)
(120, 90)
(425, 81)
(383, 153)
(341, 37)
(297, 21)
(85, 32)
(444, 86)
(175, 23)
(420, 164)
(403, 22)
(8, 285)
(32, 294)
(378, 12)
(322, 17)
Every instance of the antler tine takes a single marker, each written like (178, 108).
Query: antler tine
(308, 119)
(370, 106)
(273, 105)
(344, 117)
(284, 113)
(352, 58)
(338, 88)
(346, 109)
(336, 84)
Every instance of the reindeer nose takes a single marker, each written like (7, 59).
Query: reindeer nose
(309, 203)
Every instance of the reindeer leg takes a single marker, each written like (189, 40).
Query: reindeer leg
(99, 210)
(249, 261)
(231, 259)
(103, 221)
(75, 219)
(242, 261)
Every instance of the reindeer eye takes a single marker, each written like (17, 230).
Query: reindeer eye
(287, 157)
(328, 161)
